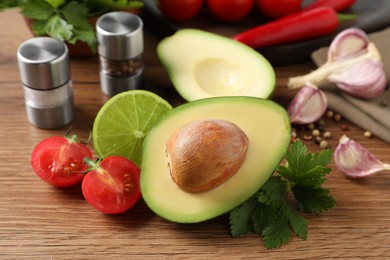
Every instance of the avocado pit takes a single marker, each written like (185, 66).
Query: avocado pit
(205, 153)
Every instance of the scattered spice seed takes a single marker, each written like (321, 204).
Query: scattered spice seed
(344, 127)
(307, 137)
(367, 134)
(321, 122)
(292, 139)
(311, 126)
(384, 103)
(316, 132)
(317, 140)
(337, 117)
(329, 114)
(324, 144)
(327, 135)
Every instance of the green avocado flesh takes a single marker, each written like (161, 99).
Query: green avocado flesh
(267, 127)
(201, 64)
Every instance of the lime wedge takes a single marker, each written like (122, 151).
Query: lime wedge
(123, 121)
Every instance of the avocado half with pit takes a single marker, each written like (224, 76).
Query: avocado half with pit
(204, 158)
(201, 64)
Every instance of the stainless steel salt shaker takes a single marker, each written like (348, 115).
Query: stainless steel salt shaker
(45, 75)
(120, 48)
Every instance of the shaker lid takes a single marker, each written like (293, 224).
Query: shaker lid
(119, 35)
(43, 63)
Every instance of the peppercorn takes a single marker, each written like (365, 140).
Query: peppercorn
(337, 117)
(344, 127)
(329, 114)
(317, 140)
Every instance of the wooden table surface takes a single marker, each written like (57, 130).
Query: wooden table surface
(38, 221)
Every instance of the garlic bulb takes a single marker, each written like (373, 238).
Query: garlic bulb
(355, 161)
(308, 105)
(354, 65)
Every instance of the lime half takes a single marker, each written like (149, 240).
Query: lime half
(123, 121)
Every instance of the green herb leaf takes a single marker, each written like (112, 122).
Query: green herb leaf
(5, 4)
(313, 199)
(277, 232)
(273, 216)
(273, 192)
(58, 28)
(240, 218)
(37, 10)
(55, 3)
(262, 216)
(76, 14)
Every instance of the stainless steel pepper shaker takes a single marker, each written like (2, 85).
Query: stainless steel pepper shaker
(120, 48)
(45, 75)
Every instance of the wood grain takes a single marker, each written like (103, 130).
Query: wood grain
(38, 221)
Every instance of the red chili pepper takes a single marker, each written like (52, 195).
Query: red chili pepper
(337, 5)
(313, 23)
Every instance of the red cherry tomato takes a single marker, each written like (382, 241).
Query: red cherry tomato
(230, 10)
(180, 10)
(278, 8)
(59, 160)
(112, 186)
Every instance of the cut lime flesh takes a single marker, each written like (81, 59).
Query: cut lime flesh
(123, 122)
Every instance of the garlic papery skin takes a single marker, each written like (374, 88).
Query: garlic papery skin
(349, 43)
(308, 105)
(350, 56)
(355, 161)
(364, 80)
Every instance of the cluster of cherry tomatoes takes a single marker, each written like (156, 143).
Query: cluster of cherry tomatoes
(227, 10)
(110, 185)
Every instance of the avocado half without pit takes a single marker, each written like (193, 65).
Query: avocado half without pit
(206, 157)
(202, 64)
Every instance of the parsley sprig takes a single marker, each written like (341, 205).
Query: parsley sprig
(272, 212)
(67, 20)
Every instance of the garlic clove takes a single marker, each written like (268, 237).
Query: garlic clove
(355, 161)
(349, 43)
(364, 79)
(308, 105)
(354, 65)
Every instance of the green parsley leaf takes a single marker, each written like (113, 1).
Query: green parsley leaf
(273, 192)
(55, 3)
(313, 199)
(58, 28)
(76, 14)
(5, 4)
(37, 10)
(240, 218)
(272, 215)
(278, 231)
(262, 216)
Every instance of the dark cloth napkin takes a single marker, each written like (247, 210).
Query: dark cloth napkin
(374, 114)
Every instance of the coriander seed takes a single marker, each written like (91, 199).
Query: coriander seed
(367, 134)
(324, 144)
(327, 135)
(315, 132)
